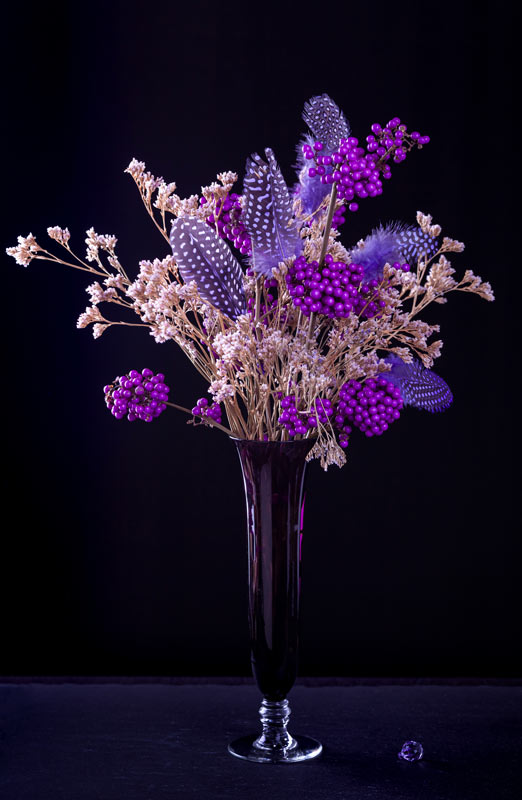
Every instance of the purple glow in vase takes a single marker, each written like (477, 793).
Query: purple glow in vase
(273, 474)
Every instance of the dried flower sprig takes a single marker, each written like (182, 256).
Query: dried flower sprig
(308, 338)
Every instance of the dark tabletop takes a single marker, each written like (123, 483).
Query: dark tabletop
(164, 742)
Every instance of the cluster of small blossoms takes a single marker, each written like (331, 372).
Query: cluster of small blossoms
(227, 221)
(297, 422)
(203, 409)
(138, 395)
(357, 172)
(334, 290)
(371, 408)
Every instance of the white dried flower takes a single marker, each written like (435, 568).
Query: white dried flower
(136, 169)
(97, 294)
(25, 250)
(220, 389)
(98, 329)
(91, 314)
(60, 235)
(452, 245)
(163, 196)
(425, 223)
(473, 283)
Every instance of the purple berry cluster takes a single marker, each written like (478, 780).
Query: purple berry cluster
(227, 219)
(203, 409)
(138, 395)
(335, 290)
(357, 172)
(297, 422)
(393, 140)
(371, 408)
(338, 216)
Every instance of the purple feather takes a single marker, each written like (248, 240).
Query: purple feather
(267, 214)
(380, 247)
(326, 121)
(203, 257)
(419, 387)
(310, 190)
(390, 243)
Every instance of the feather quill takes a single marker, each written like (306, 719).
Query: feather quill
(203, 257)
(267, 214)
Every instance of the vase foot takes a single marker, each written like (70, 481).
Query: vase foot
(302, 749)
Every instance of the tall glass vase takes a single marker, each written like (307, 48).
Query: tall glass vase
(273, 474)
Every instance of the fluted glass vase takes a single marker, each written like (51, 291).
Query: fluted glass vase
(273, 474)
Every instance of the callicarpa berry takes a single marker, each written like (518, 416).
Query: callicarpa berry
(137, 395)
(335, 290)
(203, 409)
(227, 220)
(371, 407)
(300, 422)
(358, 171)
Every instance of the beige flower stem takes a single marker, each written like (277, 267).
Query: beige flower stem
(206, 420)
(324, 247)
(328, 225)
(68, 264)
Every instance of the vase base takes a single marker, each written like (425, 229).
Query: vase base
(303, 750)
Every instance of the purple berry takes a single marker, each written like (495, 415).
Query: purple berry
(138, 397)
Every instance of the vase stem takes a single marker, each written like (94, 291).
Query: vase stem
(274, 719)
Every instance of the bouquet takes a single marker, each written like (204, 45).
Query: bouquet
(296, 334)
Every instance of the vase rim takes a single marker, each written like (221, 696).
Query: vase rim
(273, 441)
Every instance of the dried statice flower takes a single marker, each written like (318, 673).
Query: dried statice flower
(452, 245)
(425, 223)
(60, 235)
(91, 314)
(472, 283)
(25, 250)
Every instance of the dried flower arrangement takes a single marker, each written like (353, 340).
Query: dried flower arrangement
(295, 335)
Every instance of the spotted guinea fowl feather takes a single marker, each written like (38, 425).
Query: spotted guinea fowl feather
(326, 121)
(413, 243)
(419, 387)
(203, 257)
(267, 214)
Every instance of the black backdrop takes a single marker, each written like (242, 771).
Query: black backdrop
(126, 551)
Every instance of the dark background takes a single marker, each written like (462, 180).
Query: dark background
(126, 551)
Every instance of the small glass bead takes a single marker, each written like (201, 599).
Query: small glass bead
(411, 751)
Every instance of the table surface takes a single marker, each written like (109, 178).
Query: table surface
(157, 742)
